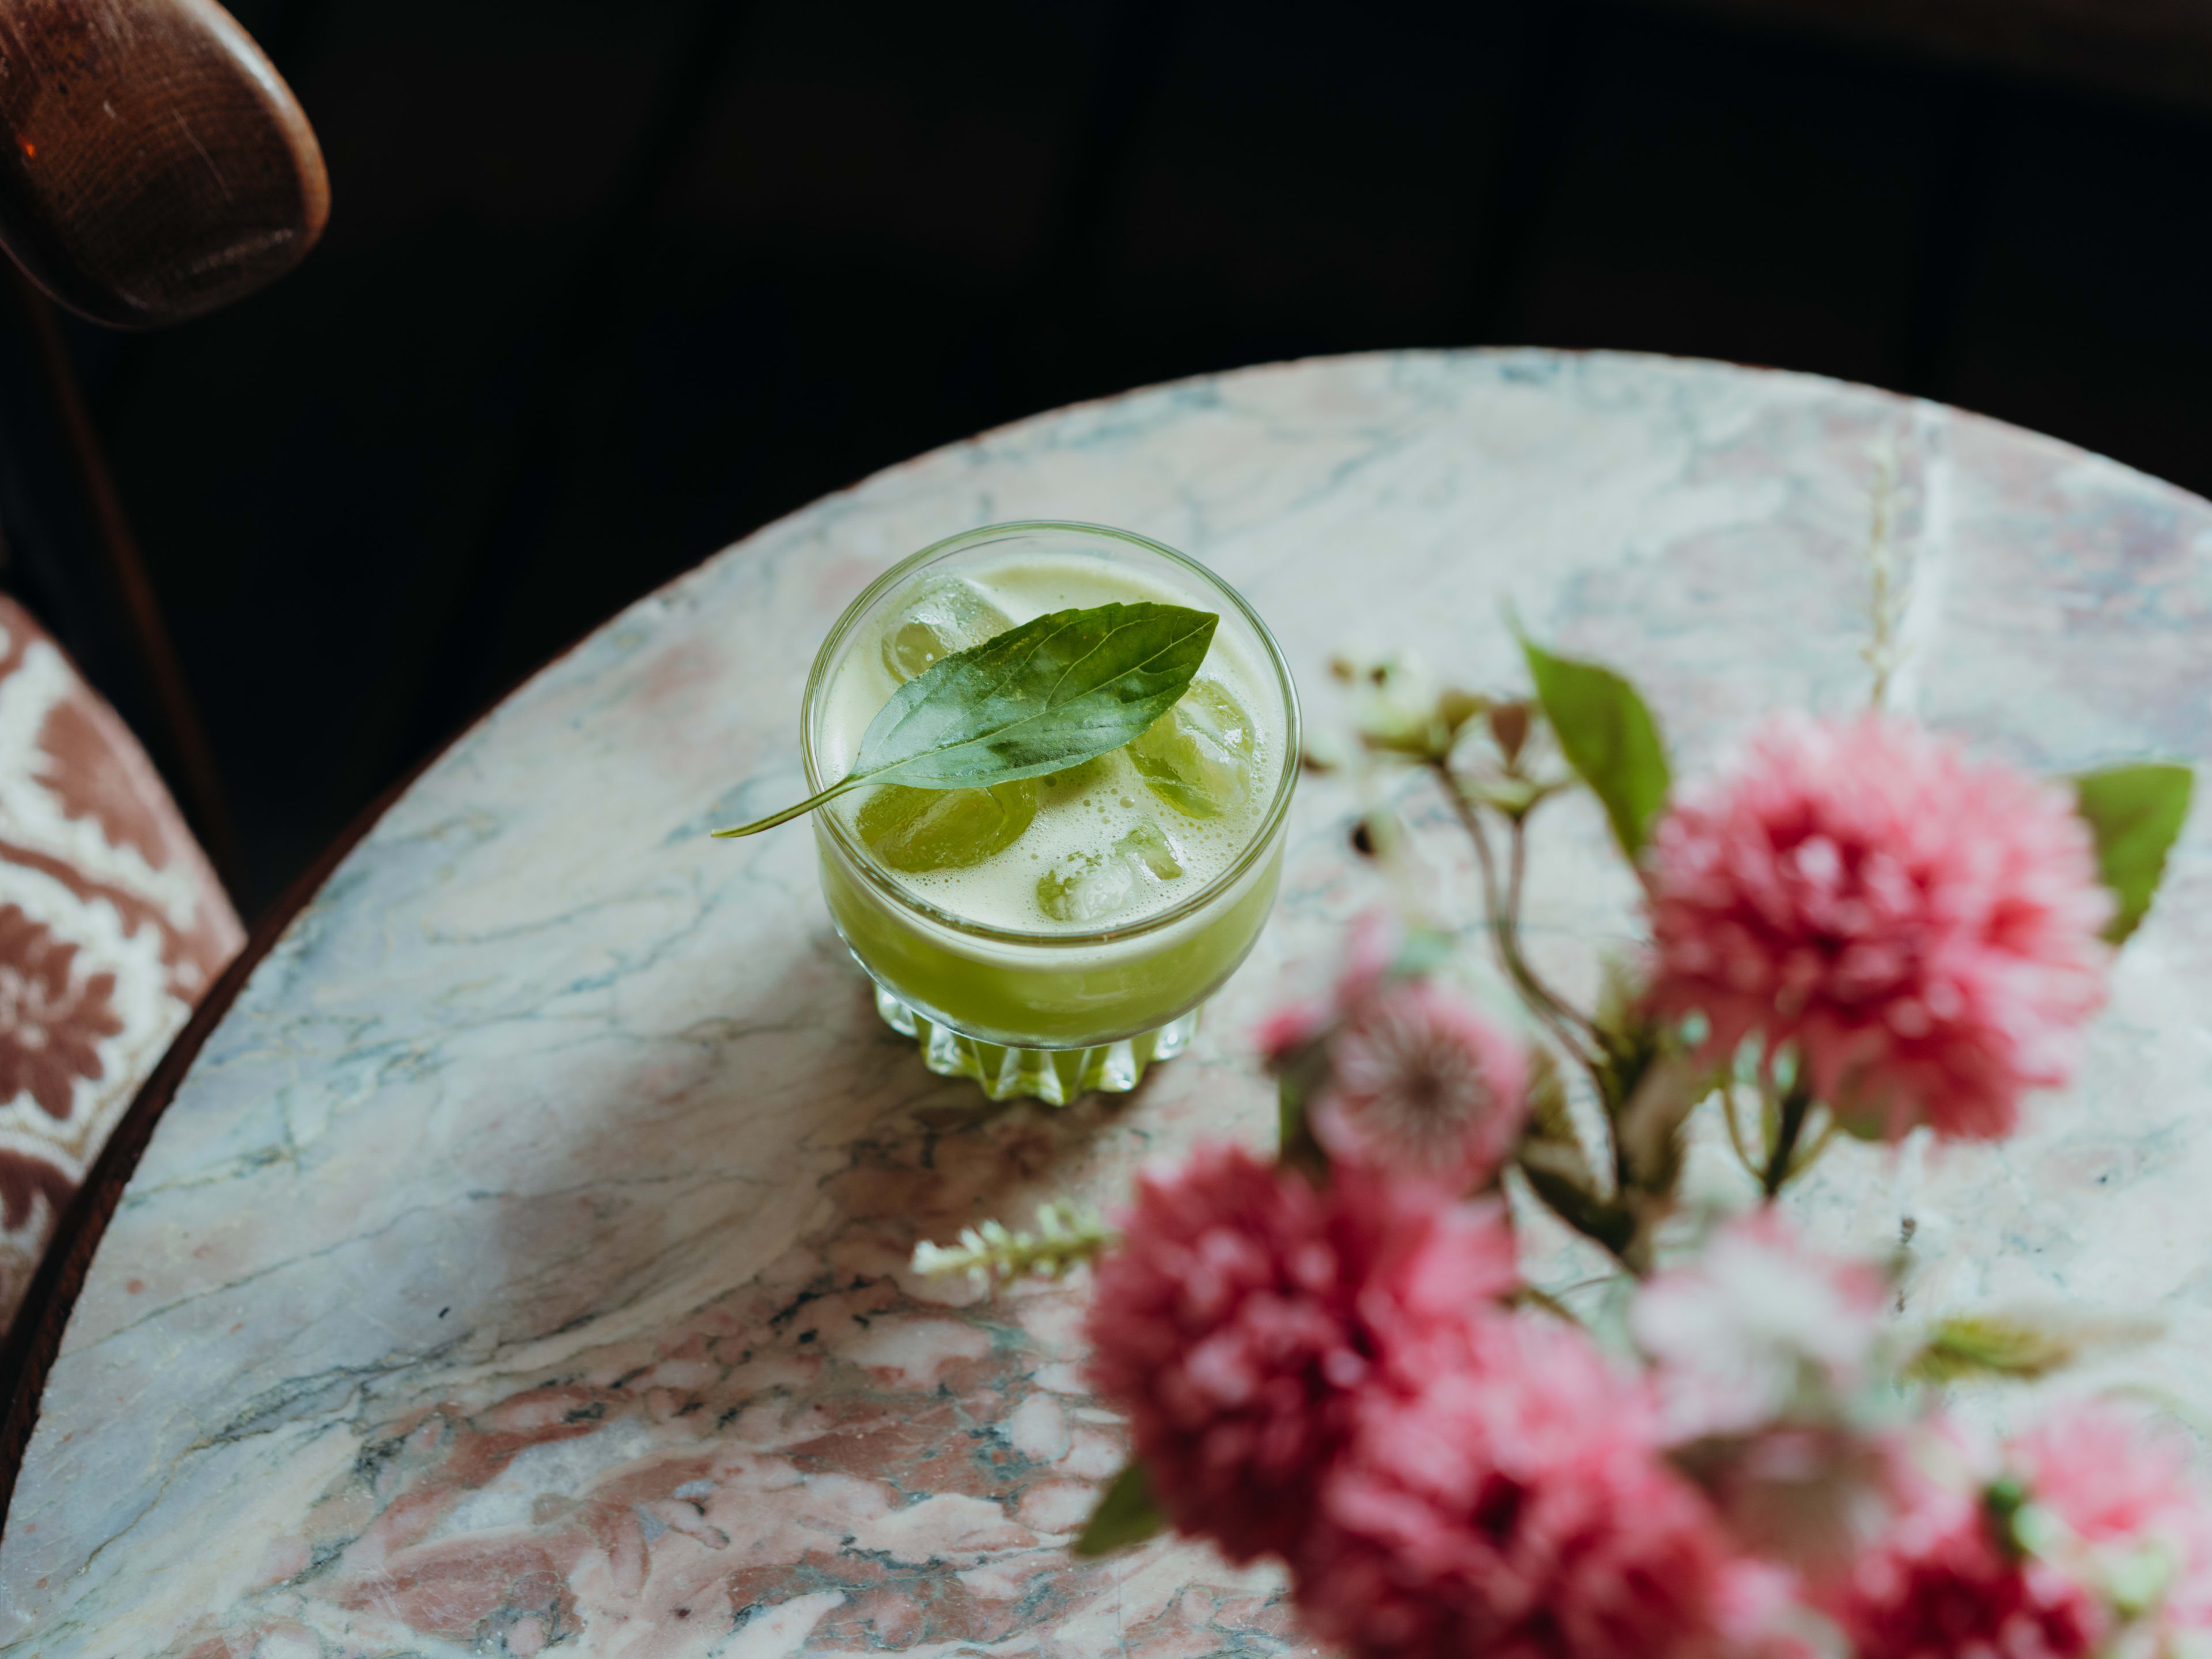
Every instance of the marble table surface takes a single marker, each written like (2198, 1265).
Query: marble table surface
(521, 1267)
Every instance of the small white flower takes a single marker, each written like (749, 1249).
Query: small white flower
(1756, 1327)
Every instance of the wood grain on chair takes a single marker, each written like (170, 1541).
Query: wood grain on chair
(154, 166)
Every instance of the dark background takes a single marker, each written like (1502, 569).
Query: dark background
(608, 283)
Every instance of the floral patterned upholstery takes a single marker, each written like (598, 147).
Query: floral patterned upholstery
(112, 927)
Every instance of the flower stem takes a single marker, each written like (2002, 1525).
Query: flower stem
(1806, 1159)
(1780, 1159)
(1883, 649)
(1065, 1236)
(1528, 1296)
(1559, 1016)
(1517, 870)
(1735, 1129)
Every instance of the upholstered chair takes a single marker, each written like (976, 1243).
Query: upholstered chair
(154, 167)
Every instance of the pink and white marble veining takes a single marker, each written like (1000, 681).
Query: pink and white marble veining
(521, 1268)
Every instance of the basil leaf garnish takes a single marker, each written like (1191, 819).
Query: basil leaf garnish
(1053, 692)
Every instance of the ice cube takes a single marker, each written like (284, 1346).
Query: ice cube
(921, 830)
(1198, 755)
(1148, 844)
(1099, 886)
(949, 614)
(1092, 887)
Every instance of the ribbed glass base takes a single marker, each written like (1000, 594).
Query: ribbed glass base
(1055, 1076)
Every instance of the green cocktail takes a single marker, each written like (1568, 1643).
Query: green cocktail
(1054, 934)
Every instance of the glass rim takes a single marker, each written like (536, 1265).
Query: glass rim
(885, 882)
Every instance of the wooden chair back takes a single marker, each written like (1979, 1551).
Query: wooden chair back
(154, 166)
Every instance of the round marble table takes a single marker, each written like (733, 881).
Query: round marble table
(520, 1266)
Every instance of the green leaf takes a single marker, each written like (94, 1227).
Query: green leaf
(1995, 1344)
(1125, 1515)
(1295, 1148)
(1055, 692)
(1981, 1345)
(1567, 1197)
(2135, 812)
(1550, 1125)
(1290, 1128)
(1528, 1296)
(1607, 736)
(1622, 1025)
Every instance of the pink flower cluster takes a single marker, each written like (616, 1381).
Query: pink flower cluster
(1249, 1310)
(2090, 1522)
(1327, 1375)
(1321, 1360)
(1924, 931)
(1332, 1375)
(1509, 1499)
(1416, 1081)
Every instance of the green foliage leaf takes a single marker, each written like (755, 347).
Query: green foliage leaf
(1621, 1023)
(1979, 1345)
(1295, 1148)
(2135, 812)
(1549, 1119)
(1608, 737)
(1291, 1131)
(1055, 692)
(1550, 1151)
(1993, 1344)
(1125, 1515)
(1567, 1196)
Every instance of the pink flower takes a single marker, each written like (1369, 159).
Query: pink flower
(1760, 1325)
(1510, 1503)
(1248, 1309)
(1371, 946)
(1924, 929)
(1941, 1583)
(2093, 1524)
(2117, 1481)
(1421, 1085)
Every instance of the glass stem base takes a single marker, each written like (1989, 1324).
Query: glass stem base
(1055, 1076)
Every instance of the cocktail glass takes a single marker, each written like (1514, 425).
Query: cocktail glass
(1054, 1014)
